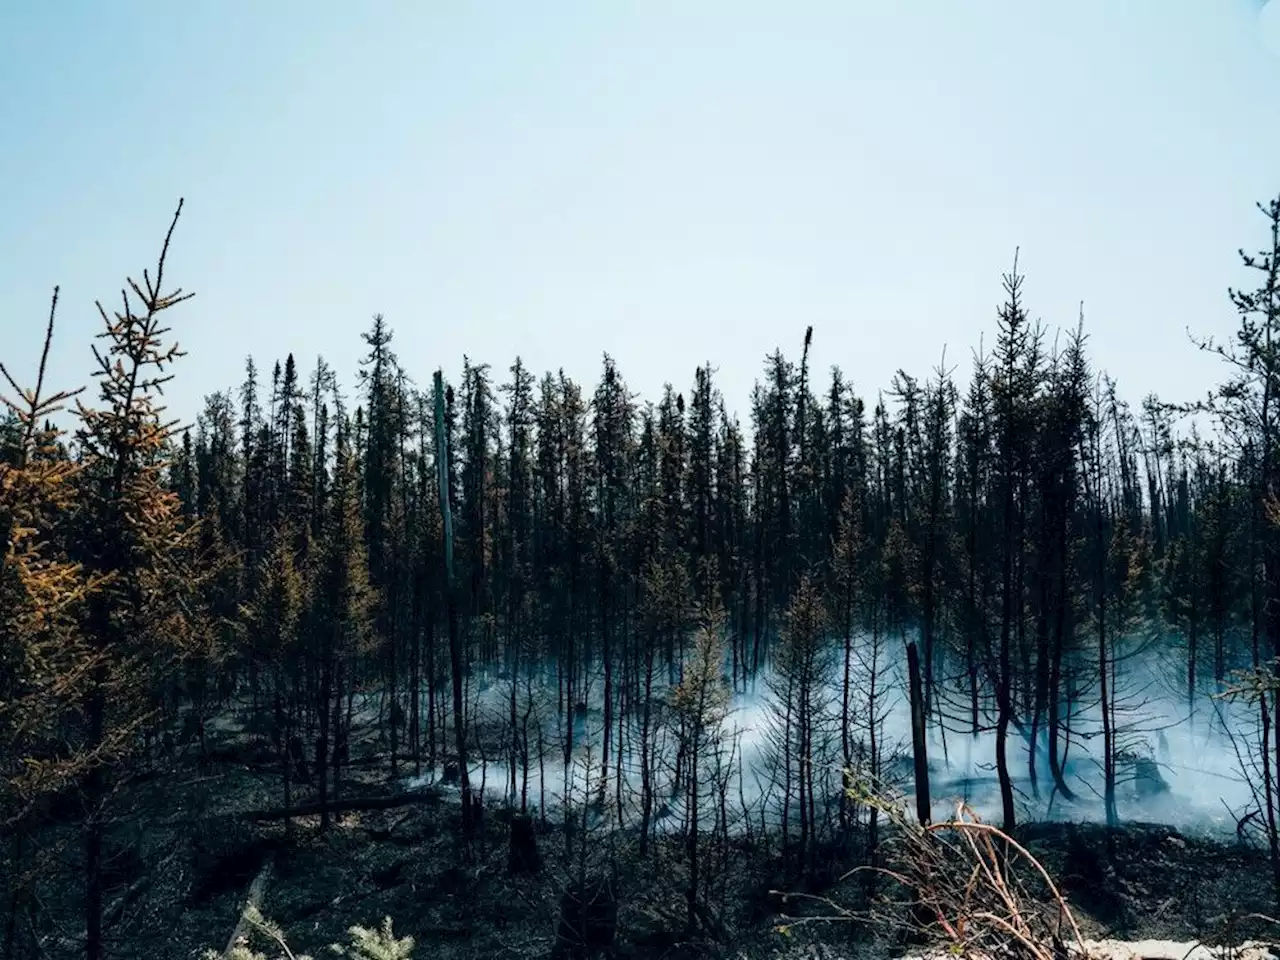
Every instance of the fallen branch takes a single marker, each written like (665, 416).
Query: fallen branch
(355, 804)
(252, 906)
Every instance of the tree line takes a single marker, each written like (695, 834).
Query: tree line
(514, 567)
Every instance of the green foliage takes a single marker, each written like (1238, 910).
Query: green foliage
(366, 943)
(702, 697)
(376, 944)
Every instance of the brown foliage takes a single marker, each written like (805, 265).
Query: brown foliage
(43, 662)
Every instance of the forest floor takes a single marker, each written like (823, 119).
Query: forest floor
(179, 887)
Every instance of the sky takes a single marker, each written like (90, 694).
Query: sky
(668, 182)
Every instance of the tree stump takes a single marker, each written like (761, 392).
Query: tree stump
(588, 920)
(1148, 781)
(192, 729)
(298, 755)
(522, 855)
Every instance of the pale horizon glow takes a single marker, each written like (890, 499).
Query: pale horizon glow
(671, 184)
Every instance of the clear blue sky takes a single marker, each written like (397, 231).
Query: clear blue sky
(670, 182)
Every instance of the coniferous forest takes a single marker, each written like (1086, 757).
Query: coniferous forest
(536, 667)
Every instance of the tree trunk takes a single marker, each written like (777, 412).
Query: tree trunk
(94, 795)
(522, 855)
(919, 750)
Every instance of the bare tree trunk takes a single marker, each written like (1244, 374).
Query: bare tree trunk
(1104, 674)
(322, 740)
(455, 640)
(646, 751)
(432, 681)
(415, 686)
(607, 734)
(691, 840)
(846, 738)
(393, 675)
(919, 746)
(95, 793)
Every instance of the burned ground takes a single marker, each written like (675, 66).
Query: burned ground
(178, 887)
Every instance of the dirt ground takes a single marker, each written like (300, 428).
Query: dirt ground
(180, 886)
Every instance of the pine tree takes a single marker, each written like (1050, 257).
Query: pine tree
(799, 687)
(42, 592)
(345, 604)
(129, 526)
(701, 701)
(44, 665)
(1014, 385)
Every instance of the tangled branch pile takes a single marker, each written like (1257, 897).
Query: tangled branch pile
(979, 890)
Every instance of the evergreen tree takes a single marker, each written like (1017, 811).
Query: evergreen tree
(128, 527)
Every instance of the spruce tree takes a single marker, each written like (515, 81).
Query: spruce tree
(129, 527)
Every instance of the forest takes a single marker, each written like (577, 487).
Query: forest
(532, 667)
